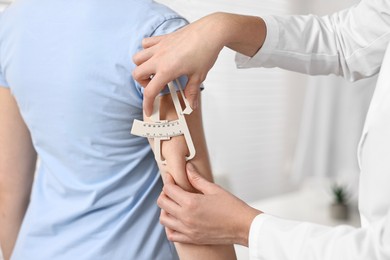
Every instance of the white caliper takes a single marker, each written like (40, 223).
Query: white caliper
(161, 130)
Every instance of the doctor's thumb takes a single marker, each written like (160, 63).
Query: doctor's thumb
(192, 93)
(197, 181)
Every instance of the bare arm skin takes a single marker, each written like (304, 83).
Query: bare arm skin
(174, 151)
(17, 166)
(167, 57)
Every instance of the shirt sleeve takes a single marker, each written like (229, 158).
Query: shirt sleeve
(170, 25)
(275, 238)
(350, 43)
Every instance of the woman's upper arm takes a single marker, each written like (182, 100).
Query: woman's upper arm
(175, 150)
(17, 154)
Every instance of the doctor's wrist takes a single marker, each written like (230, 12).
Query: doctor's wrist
(247, 218)
(242, 33)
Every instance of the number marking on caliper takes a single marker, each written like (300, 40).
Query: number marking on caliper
(160, 130)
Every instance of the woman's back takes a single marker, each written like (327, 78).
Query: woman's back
(68, 64)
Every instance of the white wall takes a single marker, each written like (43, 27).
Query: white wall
(332, 120)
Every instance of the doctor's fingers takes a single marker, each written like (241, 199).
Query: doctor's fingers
(174, 229)
(168, 205)
(192, 91)
(143, 56)
(142, 74)
(156, 84)
(171, 222)
(144, 70)
(151, 41)
(176, 236)
(177, 194)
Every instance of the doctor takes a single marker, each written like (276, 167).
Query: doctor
(351, 43)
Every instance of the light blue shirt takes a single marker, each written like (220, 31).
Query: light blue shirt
(68, 63)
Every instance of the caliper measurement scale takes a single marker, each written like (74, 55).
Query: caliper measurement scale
(161, 130)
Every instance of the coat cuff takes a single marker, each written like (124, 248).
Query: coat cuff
(271, 237)
(257, 223)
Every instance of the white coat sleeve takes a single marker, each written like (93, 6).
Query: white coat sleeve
(350, 43)
(275, 238)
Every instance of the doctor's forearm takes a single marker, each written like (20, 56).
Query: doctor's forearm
(241, 33)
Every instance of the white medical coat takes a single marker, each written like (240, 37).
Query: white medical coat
(351, 43)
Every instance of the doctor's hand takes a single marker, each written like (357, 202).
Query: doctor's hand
(213, 216)
(192, 51)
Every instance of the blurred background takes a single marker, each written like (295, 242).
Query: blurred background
(278, 139)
